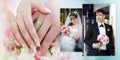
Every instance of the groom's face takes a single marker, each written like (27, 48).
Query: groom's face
(100, 17)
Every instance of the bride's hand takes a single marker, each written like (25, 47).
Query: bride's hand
(21, 26)
(49, 28)
(11, 47)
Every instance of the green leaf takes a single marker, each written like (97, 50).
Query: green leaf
(49, 49)
(19, 48)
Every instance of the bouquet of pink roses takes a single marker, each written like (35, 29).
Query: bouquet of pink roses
(65, 30)
(104, 39)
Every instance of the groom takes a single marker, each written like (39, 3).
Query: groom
(92, 33)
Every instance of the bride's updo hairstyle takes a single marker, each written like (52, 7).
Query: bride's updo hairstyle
(72, 16)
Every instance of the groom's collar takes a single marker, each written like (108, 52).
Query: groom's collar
(100, 23)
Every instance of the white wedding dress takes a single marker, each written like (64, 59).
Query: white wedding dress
(67, 43)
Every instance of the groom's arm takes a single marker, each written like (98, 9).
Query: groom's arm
(89, 36)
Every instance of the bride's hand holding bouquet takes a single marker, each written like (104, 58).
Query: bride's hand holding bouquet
(65, 30)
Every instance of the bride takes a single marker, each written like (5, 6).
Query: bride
(68, 41)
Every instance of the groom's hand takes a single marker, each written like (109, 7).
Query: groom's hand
(96, 45)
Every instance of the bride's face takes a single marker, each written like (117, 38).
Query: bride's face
(74, 20)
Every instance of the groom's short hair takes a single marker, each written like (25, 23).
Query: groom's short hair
(101, 11)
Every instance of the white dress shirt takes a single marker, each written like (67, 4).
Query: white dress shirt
(102, 31)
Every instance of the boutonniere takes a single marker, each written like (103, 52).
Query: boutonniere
(108, 29)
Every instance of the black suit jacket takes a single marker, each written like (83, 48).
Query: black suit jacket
(91, 37)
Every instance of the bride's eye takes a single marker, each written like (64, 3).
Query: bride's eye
(72, 19)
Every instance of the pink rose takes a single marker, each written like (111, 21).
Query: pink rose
(103, 39)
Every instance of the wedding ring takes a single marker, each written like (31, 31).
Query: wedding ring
(38, 22)
(14, 24)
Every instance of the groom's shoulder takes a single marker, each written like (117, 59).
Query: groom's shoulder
(108, 25)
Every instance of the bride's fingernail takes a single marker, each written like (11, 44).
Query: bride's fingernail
(37, 42)
(37, 48)
(33, 48)
(48, 10)
(14, 41)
